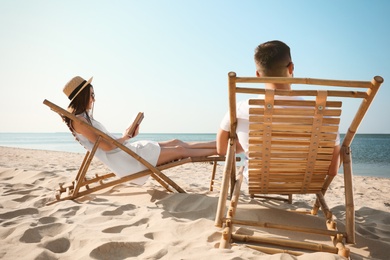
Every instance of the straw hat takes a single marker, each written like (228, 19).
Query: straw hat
(75, 86)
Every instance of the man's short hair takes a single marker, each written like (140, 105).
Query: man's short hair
(272, 58)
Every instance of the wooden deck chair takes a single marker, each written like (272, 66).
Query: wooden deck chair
(290, 149)
(82, 185)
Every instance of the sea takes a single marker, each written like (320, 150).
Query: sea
(370, 152)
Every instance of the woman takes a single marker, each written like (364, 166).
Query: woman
(81, 94)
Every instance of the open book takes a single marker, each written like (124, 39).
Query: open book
(133, 127)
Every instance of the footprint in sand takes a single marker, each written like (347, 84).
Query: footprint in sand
(59, 245)
(118, 250)
(118, 211)
(118, 229)
(47, 255)
(18, 213)
(25, 198)
(149, 236)
(69, 212)
(35, 234)
(39, 203)
(47, 220)
(158, 236)
(7, 178)
(140, 222)
(24, 190)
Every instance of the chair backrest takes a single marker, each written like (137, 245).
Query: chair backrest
(292, 133)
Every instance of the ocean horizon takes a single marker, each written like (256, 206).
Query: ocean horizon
(370, 152)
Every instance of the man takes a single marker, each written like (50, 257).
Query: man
(272, 59)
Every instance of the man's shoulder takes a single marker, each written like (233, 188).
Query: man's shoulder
(242, 105)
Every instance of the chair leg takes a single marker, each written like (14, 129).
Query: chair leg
(235, 195)
(328, 214)
(227, 232)
(82, 165)
(325, 187)
(349, 204)
(290, 198)
(232, 179)
(225, 185)
(81, 177)
(213, 176)
(226, 235)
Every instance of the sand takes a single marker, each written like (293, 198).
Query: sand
(146, 222)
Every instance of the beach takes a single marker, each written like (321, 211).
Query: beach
(147, 222)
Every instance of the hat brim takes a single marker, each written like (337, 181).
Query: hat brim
(85, 84)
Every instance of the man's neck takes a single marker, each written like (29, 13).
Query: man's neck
(280, 86)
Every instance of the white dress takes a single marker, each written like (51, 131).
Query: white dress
(118, 161)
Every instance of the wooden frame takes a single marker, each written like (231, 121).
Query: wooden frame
(82, 185)
(279, 164)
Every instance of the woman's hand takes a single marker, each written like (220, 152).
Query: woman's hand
(136, 131)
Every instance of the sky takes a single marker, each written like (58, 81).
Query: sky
(170, 59)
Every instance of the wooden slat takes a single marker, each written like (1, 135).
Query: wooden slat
(277, 169)
(308, 93)
(284, 191)
(293, 128)
(286, 143)
(273, 185)
(284, 186)
(293, 103)
(256, 169)
(255, 150)
(286, 162)
(290, 181)
(307, 81)
(284, 169)
(293, 170)
(284, 155)
(293, 120)
(318, 177)
(293, 111)
(275, 135)
(288, 159)
(290, 152)
(290, 171)
(291, 185)
(283, 142)
(286, 177)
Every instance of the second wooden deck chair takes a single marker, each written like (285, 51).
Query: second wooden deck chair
(82, 185)
(291, 142)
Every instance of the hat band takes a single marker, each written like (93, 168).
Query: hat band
(76, 90)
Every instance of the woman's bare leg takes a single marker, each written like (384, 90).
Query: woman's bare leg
(168, 154)
(193, 145)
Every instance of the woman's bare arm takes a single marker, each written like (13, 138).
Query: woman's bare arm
(92, 136)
